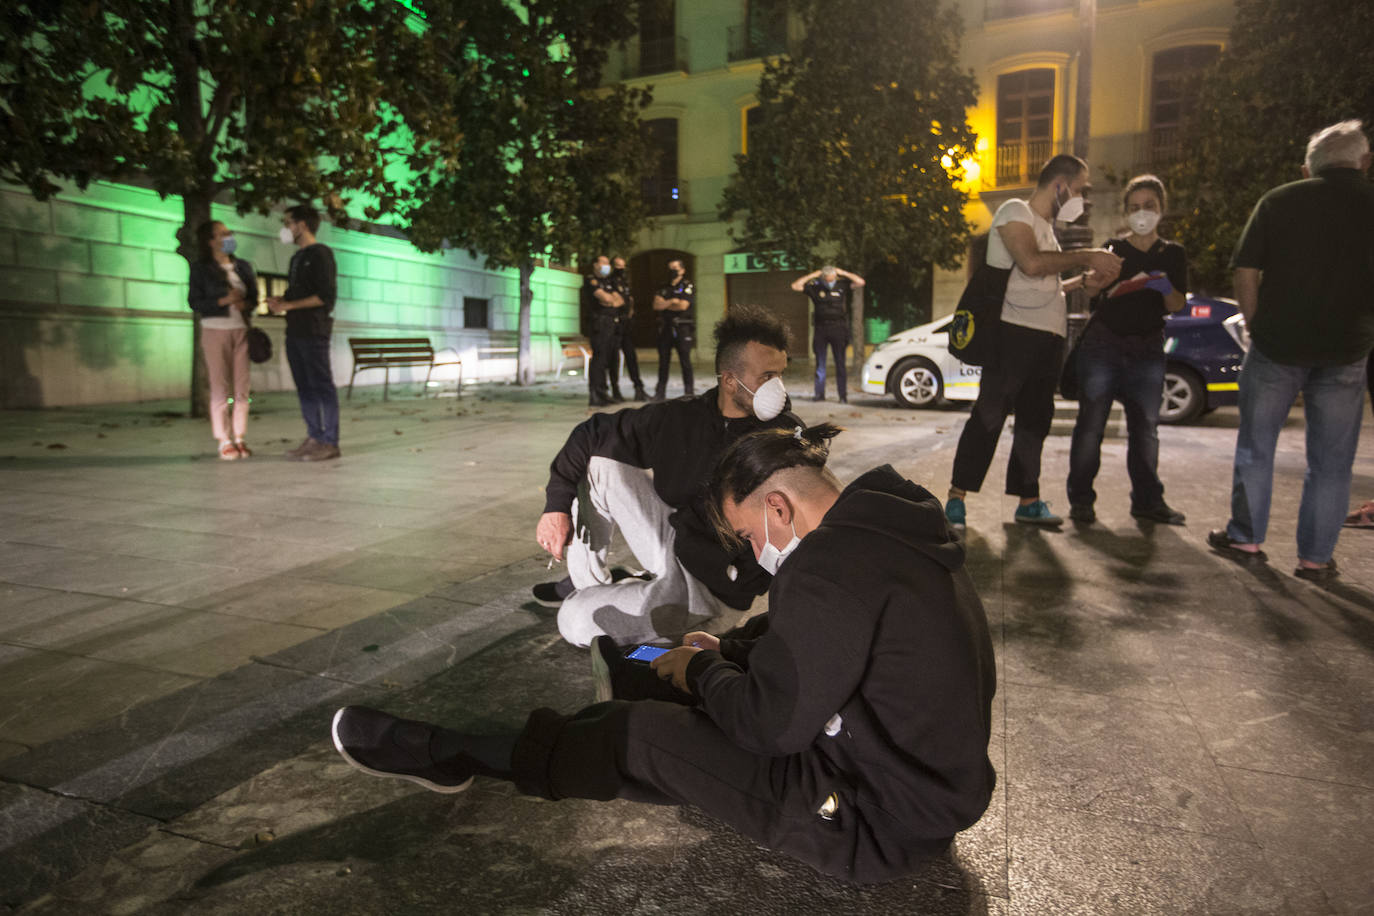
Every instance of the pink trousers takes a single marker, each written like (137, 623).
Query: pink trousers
(226, 361)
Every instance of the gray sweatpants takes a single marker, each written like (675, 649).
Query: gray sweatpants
(617, 495)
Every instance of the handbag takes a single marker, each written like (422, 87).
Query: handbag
(259, 345)
(973, 334)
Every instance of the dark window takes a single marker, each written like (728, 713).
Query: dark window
(475, 312)
(1025, 124)
(753, 117)
(662, 191)
(1173, 93)
(764, 32)
(658, 41)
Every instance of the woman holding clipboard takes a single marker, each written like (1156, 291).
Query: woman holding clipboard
(1121, 357)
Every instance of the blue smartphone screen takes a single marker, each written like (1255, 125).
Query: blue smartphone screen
(646, 653)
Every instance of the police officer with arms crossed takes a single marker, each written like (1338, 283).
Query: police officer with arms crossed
(677, 327)
(828, 289)
(604, 305)
(625, 338)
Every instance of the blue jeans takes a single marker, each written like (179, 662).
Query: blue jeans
(1333, 403)
(314, 378)
(1129, 370)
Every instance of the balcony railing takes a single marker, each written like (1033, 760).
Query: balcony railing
(1019, 164)
(657, 55)
(748, 42)
(664, 196)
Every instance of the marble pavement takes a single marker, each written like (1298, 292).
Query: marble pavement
(1173, 733)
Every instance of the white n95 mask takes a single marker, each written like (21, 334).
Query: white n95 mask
(769, 399)
(1143, 222)
(770, 557)
(1071, 210)
(286, 237)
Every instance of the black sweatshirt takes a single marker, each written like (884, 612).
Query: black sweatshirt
(680, 441)
(874, 618)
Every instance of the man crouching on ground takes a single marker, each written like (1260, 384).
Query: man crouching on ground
(645, 470)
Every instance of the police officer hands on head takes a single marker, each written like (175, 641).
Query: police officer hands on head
(828, 289)
(604, 305)
(677, 323)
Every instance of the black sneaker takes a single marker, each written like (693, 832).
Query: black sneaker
(607, 660)
(640, 393)
(1082, 512)
(384, 745)
(1161, 513)
(551, 594)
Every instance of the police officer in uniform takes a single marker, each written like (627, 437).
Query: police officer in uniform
(828, 289)
(604, 305)
(626, 339)
(677, 325)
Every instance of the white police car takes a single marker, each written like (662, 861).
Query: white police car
(917, 368)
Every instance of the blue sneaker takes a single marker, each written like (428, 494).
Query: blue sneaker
(954, 512)
(1037, 513)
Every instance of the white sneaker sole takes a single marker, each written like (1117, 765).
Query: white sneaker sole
(418, 780)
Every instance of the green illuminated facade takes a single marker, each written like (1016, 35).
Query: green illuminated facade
(93, 299)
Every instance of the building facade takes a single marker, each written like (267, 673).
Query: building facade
(93, 299)
(703, 60)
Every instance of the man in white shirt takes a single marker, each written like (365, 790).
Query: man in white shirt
(1030, 351)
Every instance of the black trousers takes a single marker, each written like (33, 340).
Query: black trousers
(679, 336)
(834, 334)
(1021, 381)
(605, 340)
(664, 753)
(626, 345)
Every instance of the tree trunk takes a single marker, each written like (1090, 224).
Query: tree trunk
(856, 315)
(524, 364)
(196, 210)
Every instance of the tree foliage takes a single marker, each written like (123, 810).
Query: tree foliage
(265, 100)
(1292, 67)
(846, 162)
(551, 164)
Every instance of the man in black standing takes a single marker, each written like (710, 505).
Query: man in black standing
(828, 289)
(308, 304)
(677, 327)
(625, 335)
(602, 303)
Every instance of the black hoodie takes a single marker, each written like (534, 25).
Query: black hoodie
(875, 634)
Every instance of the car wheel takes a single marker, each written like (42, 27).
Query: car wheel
(916, 382)
(1183, 398)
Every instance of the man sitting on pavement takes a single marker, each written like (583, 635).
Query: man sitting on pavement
(644, 470)
(852, 736)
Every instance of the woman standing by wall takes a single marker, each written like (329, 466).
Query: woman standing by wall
(224, 291)
(1121, 357)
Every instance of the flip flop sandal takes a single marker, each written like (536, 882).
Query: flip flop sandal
(1361, 518)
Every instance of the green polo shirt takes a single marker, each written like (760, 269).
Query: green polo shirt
(1314, 240)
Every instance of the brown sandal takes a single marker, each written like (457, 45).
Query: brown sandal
(1362, 517)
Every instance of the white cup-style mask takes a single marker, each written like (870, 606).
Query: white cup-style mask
(769, 399)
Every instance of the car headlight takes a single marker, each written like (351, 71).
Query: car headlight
(1235, 326)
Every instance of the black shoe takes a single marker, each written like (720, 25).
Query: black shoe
(1161, 513)
(620, 574)
(659, 396)
(1082, 512)
(384, 745)
(607, 660)
(616, 396)
(1222, 543)
(551, 594)
(1320, 574)
(640, 393)
(598, 399)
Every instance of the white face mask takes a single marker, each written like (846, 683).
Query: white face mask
(286, 237)
(769, 399)
(603, 269)
(1070, 209)
(770, 557)
(1143, 222)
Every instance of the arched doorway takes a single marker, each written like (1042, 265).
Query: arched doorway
(649, 274)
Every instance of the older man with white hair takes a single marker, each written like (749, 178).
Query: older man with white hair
(1304, 278)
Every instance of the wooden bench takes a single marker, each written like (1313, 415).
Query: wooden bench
(385, 352)
(575, 348)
